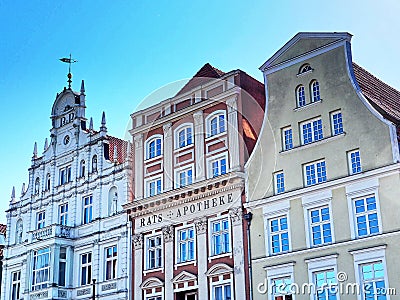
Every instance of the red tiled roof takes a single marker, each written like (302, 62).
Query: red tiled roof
(205, 74)
(122, 147)
(383, 97)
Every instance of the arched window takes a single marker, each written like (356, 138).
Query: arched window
(216, 123)
(314, 88)
(94, 163)
(305, 68)
(300, 96)
(113, 201)
(48, 181)
(37, 185)
(183, 136)
(153, 147)
(82, 168)
(18, 231)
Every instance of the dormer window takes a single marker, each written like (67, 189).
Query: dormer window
(153, 147)
(304, 69)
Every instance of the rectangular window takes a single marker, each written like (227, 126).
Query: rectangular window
(186, 245)
(65, 175)
(154, 252)
(373, 281)
(62, 266)
(314, 173)
(320, 223)
(63, 214)
(41, 269)
(218, 167)
(154, 187)
(15, 285)
(354, 161)
(325, 281)
(222, 292)
(281, 288)
(279, 183)
(86, 268)
(279, 234)
(220, 237)
(87, 209)
(40, 219)
(337, 123)
(111, 262)
(185, 177)
(311, 131)
(366, 216)
(287, 136)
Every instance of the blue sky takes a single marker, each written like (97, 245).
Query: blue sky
(126, 50)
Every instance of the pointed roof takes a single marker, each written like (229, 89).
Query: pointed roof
(205, 74)
(382, 96)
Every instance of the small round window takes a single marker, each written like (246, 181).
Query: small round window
(66, 140)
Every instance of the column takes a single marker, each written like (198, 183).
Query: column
(138, 269)
(238, 253)
(138, 139)
(168, 237)
(168, 157)
(202, 255)
(199, 145)
(233, 134)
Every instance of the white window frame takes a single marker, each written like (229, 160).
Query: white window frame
(112, 261)
(215, 158)
(178, 242)
(43, 284)
(63, 260)
(82, 168)
(147, 250)
(87, 208)
(150, 180)
(40, 219)
(210, 117)
(65, 174)
(298, 96)
(222, 284)
(279, 232)
(184, 127)
(287, 146)
(88, 268)
(63, 215)
(366, 256)
(48, 182)
(315, 171)
(313, 130)
(350, 162)
(366, 213)
(211, 221)
(313, 100)
(332, 114)
(181, 170)
(147, 146)
(277, 272)
(276, 186)
(15, 283)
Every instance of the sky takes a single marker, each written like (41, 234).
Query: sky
(128, 50)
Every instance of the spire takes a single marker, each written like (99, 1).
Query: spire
(115, 154)
(103, 128)
(46, 144)
(83, 87)
(91, 124)
(23, 189)
(13, 194)
(35, 150)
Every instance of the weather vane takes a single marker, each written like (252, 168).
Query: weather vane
(69, 61)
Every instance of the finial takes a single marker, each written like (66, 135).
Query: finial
(83, 87)
(46, 144)
(13, 193)
(69, 61)
(35, 150)
(115, 153)
(23, 189)
(103, 119)
(91, 124)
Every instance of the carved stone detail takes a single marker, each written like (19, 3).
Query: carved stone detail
(138, 138)
(167, 130)
(232, 104)
(168, 233)
(198, 117)
(201, 225)
(236, 214)
(137, 241)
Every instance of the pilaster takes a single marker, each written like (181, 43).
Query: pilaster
(168, 237)
(202, 254)
(199, 145)
(138, 259)
(233, 134)
(168, 157)
(139, 158)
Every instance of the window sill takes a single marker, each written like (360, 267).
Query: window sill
(227, 254)
(186, 263)
(145, 272)
(215, 136)
(323, 141)
(149, 160)
(307, 105)
(181, 149)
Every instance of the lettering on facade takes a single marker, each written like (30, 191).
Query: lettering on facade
(187, 210)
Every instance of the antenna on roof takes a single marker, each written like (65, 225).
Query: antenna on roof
(69, 61)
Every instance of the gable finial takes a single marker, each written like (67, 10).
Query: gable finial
(69, 61)
(46, 144)
(83, 87)
(35, 150)
(91, 124)
(13, 194)
(103, 127)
